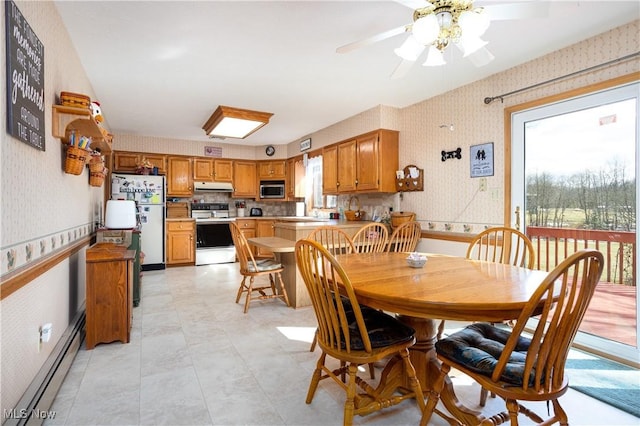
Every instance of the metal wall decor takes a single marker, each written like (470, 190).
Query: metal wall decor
(451, 154)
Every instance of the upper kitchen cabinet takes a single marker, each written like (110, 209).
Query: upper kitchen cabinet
(366, 163)
(67, 119)
(330, 169)
(245, 182)
(212, 170)
(124, 161)
(271, 170)
(179, 176)
(295, 178)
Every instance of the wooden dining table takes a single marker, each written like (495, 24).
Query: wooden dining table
(446, 287)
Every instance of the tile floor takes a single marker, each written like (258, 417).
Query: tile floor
(196, 359)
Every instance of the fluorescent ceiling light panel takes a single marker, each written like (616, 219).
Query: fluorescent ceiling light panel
(229, 122)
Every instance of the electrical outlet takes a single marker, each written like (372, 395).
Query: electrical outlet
(483, 184)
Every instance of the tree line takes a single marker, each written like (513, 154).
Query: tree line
(606, 200)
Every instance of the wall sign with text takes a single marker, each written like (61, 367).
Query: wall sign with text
(482, 160)
(25, 79)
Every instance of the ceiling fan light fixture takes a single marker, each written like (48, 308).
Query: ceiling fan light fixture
(229, 122)
(470, 44)
(474, 22)
(426, 29)
(435, 57)
(410, 49)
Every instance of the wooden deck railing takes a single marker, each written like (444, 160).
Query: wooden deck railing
(553, 245)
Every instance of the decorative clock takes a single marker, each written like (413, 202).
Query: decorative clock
(270, 150)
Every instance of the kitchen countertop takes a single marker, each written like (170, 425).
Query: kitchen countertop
(312, 224)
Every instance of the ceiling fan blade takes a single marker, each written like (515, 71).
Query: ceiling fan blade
(481, 57)
(528, 10)
(370, 40)
(402, 69)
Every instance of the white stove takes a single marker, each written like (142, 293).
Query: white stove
(213, 236)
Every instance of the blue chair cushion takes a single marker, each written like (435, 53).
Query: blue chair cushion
(383, 329)
(479, 346)
(264, 265)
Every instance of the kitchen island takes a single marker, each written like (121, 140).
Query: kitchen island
(293, 231)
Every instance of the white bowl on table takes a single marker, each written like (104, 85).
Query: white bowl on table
(416, 261)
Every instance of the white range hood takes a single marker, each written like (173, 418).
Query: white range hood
(213, 186)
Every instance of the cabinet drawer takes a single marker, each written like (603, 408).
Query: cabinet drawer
(246, 223)
(180, 226)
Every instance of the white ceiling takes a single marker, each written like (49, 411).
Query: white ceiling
(160, 68)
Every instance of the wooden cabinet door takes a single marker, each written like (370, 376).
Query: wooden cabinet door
(330, 170)
(203, 170)
(158, 160)
(368, 163)
(181, 243)
(270, 170)
(347, 164)
(245, 184)
(279, 169)
(264, 228)
(295, 178)
(179, 177)
(125, 161)
(290, 181)
(223, 170)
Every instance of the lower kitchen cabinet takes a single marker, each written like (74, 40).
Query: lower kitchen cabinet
(109, 293)
(181, 242)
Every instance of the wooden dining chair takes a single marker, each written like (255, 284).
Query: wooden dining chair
(501, 245)
(336, 241)
(519, 368)
(251, 268)
(405, 238)
(372, 237)
(355, 335)
(333, 238)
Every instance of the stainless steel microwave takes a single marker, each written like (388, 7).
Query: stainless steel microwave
(272, 189)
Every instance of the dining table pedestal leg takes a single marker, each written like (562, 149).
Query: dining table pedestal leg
(423, 357)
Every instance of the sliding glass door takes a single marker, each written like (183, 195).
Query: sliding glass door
(573, 185)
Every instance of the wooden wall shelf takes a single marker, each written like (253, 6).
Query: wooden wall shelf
(68, 118)
(409, 183)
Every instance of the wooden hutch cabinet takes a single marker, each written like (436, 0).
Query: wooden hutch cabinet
(109, 298)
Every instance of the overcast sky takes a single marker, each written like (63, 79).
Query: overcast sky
(593, 140)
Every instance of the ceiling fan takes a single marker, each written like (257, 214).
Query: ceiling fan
(440, 23)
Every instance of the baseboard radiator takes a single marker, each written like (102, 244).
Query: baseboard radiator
(34, 406)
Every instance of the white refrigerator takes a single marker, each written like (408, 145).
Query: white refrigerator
(148, 191)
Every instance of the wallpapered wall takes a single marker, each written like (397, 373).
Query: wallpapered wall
(42, 210)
